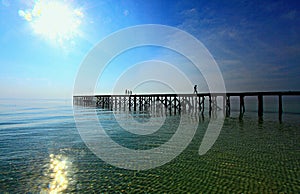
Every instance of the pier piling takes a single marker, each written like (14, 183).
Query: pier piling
(280, 108)
(260, 106)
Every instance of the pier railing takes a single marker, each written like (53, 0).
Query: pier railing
(180, 103)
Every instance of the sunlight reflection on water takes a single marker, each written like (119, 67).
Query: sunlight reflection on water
(57, 173)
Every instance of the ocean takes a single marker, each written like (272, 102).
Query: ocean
(41, 151)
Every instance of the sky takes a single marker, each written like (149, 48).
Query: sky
(256, 44)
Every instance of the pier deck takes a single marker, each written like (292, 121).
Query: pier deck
(180, 103)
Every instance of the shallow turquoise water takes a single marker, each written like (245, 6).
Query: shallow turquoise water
(42, 151)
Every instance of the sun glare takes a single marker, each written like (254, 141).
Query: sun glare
(54, 20)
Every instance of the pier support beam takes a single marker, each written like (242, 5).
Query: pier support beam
(227, 106)
(175, 105)
(134, 103)
(210, 105)
(202, 105)
(129, 103)
(280, 108)
(170, 105)
(242, 105)
(199, 104)
(260, 106)
(224, 105)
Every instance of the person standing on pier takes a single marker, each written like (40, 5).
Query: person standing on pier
(195, 89)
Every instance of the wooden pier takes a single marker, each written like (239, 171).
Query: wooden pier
(173, 104)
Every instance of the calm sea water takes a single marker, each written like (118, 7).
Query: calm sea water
(42, 151)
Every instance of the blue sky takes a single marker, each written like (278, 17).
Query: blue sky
(255, 43)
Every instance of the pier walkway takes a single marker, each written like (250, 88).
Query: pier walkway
(180, 103)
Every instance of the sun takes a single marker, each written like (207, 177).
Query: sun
(54, 20)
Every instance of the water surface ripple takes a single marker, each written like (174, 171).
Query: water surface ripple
(41, 151)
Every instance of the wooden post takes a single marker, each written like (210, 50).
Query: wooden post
(193, 105)
(179, 105)
(107, 102)
(210, 105)
(129, 103)
(134, 103)
(157, 105)
(140, 103)
(199, 103)
(202, 107)
(280, 108)
(170, 105)
(111, 102)
(97, 101)
(102, 102)
(153, 105)
(242, 105)
(166, 104)
(227, 106)
(184, 100)
(124, 100)
(115, 103)
(175, 104)
(150, 103)
(189, 104)
(215, 105)
(224, 105)
(196, 104)
(260, 105)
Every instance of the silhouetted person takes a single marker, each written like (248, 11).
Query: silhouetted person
(126, 92)
(195, 89)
